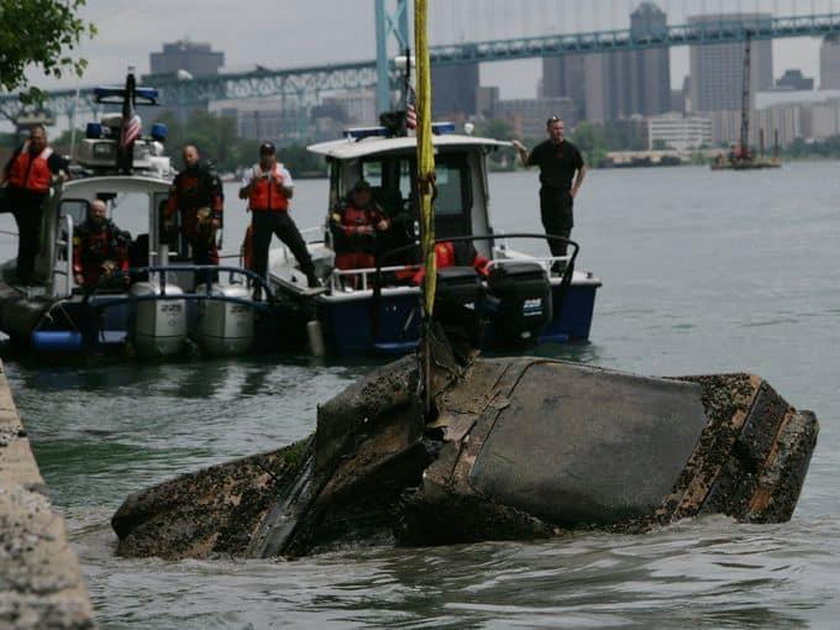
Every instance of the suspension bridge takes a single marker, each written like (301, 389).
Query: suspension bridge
(570, 27)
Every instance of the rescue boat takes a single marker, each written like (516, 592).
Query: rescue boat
(166, 305)
(522, 300)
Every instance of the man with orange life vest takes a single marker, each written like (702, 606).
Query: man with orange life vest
(28, 176)
(100, 249)
(268, 187)
(197, 194)
(354, 224)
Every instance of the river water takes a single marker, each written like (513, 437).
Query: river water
(702, 271)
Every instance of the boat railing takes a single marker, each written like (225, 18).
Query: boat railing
(365, 274)
(365, 278)
(64, 242)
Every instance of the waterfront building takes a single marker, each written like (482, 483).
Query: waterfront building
(676, 131)
(782, 121)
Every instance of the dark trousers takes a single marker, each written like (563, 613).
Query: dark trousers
(556, 214)
(27, 208)
(267, 223)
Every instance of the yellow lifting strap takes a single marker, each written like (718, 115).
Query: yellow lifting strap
(425, 156)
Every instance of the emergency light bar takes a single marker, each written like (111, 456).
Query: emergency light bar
(358, 133)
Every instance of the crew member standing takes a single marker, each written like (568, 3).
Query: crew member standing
(100, 249)
(197, 194)
(560, 162)
(268, 187)
(28, 176)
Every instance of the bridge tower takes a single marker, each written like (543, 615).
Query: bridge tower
(391, 20)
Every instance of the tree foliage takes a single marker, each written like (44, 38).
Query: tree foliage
(43, 33)
(218, 141)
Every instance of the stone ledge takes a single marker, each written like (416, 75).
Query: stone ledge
(41, 583)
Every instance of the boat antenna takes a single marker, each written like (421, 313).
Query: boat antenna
(426, 189)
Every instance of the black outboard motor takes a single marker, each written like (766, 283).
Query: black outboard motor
(458, 306)
(523, 292)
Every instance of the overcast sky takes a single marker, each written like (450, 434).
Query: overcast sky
(288, 33)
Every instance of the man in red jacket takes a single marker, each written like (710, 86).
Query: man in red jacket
(28, 177)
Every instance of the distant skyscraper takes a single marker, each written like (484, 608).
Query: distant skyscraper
(647, 84)
(611, 86)
(717, 70)
(197, 59)
(830, 63)
(454, 88)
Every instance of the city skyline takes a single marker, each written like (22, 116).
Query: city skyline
(263, 37)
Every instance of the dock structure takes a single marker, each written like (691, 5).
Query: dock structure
(41, 583)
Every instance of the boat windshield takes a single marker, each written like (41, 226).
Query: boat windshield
(393, 179)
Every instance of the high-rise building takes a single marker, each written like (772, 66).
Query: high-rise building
(830, 63)
(197, 59)
(611, 86)
(717, 70)
(647, 84)
(454, 88)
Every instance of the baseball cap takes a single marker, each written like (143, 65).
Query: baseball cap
(268, 147)
(361, 185)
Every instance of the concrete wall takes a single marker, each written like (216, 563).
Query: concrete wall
(41, 583)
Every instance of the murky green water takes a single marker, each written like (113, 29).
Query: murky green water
(702, 272)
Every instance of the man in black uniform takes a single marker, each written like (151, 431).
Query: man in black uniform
(560, 161)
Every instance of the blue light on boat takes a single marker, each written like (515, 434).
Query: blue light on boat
(159, 132)
(93, 130)
(439, 128)
(100, 93)
(148, 93)
(357, 133)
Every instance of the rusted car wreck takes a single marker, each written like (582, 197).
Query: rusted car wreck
(516, 448)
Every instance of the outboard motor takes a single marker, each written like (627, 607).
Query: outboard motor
(458, 305)
(523, 292)
(225, 328)
(160, 326)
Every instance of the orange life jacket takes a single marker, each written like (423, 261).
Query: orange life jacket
(267, 194)
(31, 172)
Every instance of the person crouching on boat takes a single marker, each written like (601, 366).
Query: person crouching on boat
(197, 194)
(454, 254)
(268, 187)
(354, 225)
(28, 177)
(100, 251)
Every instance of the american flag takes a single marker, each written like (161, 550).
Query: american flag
(410, 111)
(130, 121)
(130, 131)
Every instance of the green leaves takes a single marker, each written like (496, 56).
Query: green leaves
(41, 33)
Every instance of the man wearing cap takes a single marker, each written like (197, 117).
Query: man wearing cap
(354, 224)
(268, 187)
(559, 161)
